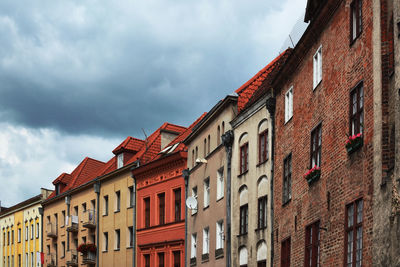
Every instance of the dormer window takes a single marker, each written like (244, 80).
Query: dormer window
(57, 189)
(120, 160)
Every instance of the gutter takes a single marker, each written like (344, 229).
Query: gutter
(96, 188)
(270, 105)
(137, 164)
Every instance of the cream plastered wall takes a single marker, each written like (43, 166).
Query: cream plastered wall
(257, 179)
(31, 217)
(7, 249)
(121, 220)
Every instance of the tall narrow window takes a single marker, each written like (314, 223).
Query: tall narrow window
(117, 239)
(263, 146)
(147, 212)
(146, 260)
(161, 260)
(206, 185)
(105, 241)
(219, 235)
(32, 231)
(130, 204)
(19, 235)
(62, 218)
(244, 219)
(197, 154)
(161, 208)
(105, 212)
(12, 236)
(193, 246)
(289, 104)
(355, 19)
(120, 160)
(27, 233)
(312, 245)
(357, 109)
(262, 212)
(316, 143)
(208, 145)
(193, 158)
(206, 240)
(285, 253)
(130, 237)
(244, 157)
(220, 184)
(205, 148)
(117, 201)
(287, 179)
(218, 135)
(62, 249)
(317, 59)
(178, 204)
(37, 230)
(177, 258)
(194, 194)
(354, 233)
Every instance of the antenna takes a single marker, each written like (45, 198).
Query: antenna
(191, 203)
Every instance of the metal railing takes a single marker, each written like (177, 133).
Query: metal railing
(89, 219)
(72, 258)
(51, 229)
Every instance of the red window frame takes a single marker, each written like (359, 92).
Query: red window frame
(355, 13)
(316, 146)
(244, 219)
(285, 253)
(312, 247)
(244, 158)
(263, 147)
(357, 109)
(353, 233)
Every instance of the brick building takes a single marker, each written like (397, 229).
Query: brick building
(328, 188)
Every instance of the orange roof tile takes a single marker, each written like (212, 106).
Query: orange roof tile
(129, 144)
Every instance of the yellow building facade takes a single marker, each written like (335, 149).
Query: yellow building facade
(21, 233)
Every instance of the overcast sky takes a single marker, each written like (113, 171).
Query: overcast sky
(77, 77)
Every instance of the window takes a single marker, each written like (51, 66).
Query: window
(83, 207)
(220, 184)
(12, 236)
(105, 212)
(287, 179)
(62, 249)
(206, 186)
(317, 67)
(218, 135)
(289, 104)
(32, 260)
(262, 254)
(355, 19)
(117, 201)
(178, 204)
(105, 241)
(26, 233)
(244, 219)
(117, 239)
(130, 237)
(93, 204)
(146, 212)
(354, 233)
(206, 240)
(161, 208)
(263, 146)
(193, 158)
(312, 245)
(243, 257)
(120, 160)
(316, 142)
(76, 210)
(244, 157)
(193, 246)
(262, 212)
(194, 194)
(177, 258)
(285, 253)
(62, 218)
(32, 231)
(356, 109)
(146, 260)
(208, 145)
(161, 260)
(37, 230)
(219, 235)
(197, 155)
(205, 148)
(130, 204)
(19, 235)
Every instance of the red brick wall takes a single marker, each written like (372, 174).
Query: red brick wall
(346, 178)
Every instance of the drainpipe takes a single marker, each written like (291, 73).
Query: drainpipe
(270, 105)
(227, 141)
(185, 174)
(41, 232)
(96, 187)
(68, 202)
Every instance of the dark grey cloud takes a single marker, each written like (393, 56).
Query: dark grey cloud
(100, 68)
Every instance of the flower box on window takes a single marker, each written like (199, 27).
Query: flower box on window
(354, 142)
(312, 175)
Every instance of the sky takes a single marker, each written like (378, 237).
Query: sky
(77, 77)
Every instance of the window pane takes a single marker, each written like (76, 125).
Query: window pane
(350, 213)
(350, 247)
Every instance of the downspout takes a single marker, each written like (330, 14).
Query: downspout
(68, 202)
(137, 164)
(185, 174)
(227, 141)
(41, 232)
(270, 105)
(96, 187)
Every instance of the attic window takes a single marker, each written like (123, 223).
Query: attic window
(57, 189)
(120, 160)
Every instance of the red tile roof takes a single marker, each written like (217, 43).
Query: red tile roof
(129, 144)
(247, 90)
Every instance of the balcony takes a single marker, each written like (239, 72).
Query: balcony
(89, 258)
(72, 258)
(51, 230)
(89, 219)
(73, 224)
(51, 260)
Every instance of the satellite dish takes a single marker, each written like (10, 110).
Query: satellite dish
(191, 203)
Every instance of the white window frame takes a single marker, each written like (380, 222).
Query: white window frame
(206, 187)
(219, 238)
(317, 67)
(193, 246)
(19, 235)
(105, 241)
(206, 240)
(220, 183)
(194, 194)
(37, 230)
(117, 240)
(289, 104)
(120, 160)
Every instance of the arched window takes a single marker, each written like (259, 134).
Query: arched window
(243, 257)
(262, 207)
(244, 210)
(263, 144)
(244, 153)
(208, 145)
(223, 127)
(218, 135)
(262, 254)
(196, 154)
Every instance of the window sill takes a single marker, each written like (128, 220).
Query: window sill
(285, 203)
(62, 226)
(289, 120)
(116, 249)
(104, 215)
(241, 235)
(205, 257)
(130, 207)
(219, 199)
(116, 211)
(261, 163)
(129, 247)
(260, 229)
(104, 251)
(195, 213)
(243, 173)
(355, 39)
(206, 207)
(318, 84)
